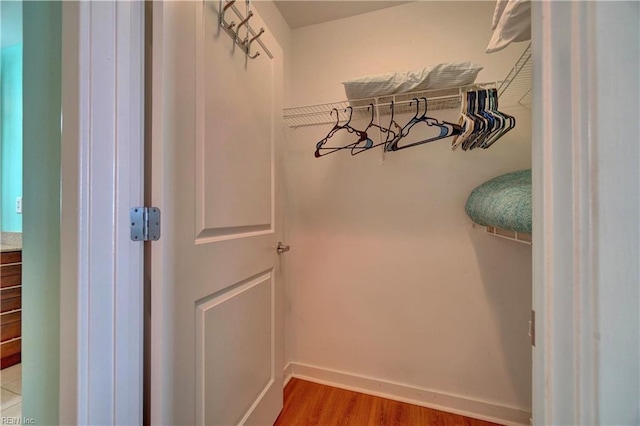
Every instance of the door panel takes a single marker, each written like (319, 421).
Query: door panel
(234, 128)
(237, 348)
(216, 314)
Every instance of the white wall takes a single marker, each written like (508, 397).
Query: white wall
(387, 277)
(41, 218)
(403, 37)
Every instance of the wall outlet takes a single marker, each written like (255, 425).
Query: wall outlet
(19, 205)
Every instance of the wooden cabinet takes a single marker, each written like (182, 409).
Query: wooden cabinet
(10, 307)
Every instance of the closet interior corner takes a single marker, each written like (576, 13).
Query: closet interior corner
(410, 273)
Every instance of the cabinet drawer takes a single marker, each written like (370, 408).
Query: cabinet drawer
(11, 353)
(10, 299)
(10, 257)
(10, 275)
(10, 326)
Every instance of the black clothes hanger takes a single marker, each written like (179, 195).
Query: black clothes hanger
(487, 101)
(489, 121)
(359, 149)
(510, 121)
(447, 129)
(453, 128)
(479, 123)
(336, 127)
(321, 150)
(465, 121)
(488, 124)
(417, 118)
(404, 131)
(501, 120)
(392, 124)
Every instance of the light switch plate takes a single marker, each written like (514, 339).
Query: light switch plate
(19, 205)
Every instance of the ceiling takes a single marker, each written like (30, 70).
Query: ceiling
(300, 13)
(297, 13)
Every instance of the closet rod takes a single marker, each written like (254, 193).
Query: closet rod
(320, 113)
(459, 91)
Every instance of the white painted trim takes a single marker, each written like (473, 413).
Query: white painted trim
(287, 373)
(158, 407)
(128, 307)
(102, 309)
(450, 403)
(586, 212)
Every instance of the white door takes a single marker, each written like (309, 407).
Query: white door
(217, 344)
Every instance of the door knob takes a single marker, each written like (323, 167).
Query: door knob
(282, 248)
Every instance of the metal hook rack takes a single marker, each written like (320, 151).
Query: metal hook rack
(233, 29)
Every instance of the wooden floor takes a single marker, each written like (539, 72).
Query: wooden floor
(307, 403)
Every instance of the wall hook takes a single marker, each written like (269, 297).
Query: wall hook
(255, 37)
(244, 21)
(248, 44)
(224, 10)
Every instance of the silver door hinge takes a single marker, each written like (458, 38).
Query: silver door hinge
(532, 328)
(145, 223)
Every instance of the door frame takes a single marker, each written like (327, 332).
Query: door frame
(586, 210)
(101, 368)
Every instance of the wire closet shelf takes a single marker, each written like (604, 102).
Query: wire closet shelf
(515, 89)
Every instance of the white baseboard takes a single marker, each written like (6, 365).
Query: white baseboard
(400, 392)
(287, 374)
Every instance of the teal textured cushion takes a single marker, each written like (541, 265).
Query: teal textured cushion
(503, 202)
